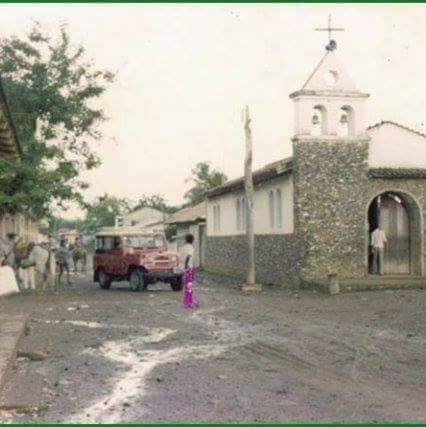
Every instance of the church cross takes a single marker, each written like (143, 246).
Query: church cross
(331, 43)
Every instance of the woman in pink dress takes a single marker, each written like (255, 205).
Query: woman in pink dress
(187, 257)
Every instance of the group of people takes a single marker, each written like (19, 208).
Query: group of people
(64, 254)
(30, 263)
(36, 263)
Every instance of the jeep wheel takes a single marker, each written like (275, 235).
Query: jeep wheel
(136, 281)
(177, 283)
(104, 280)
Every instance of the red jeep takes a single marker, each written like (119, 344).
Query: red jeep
(126, 253)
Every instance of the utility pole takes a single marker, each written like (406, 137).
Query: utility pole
(250, 284)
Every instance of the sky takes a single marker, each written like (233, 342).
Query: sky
(184, 73)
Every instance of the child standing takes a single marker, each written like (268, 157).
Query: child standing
(187, 261)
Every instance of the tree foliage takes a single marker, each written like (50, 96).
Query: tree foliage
(203, 178)
(51, 89)
(103, 211)
(155, 201)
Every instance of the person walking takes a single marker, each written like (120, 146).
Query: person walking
(187, 262)
(378, 241)
(63, 255)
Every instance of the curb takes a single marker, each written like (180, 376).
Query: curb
(11, 331)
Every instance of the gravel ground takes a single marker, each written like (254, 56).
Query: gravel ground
(281, 355)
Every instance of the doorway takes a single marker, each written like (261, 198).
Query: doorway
(391, 211)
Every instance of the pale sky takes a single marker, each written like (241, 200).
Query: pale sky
(184, 72)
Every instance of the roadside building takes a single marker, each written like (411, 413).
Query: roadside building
(191, 219)
(149, 218)
(24, 224)
(314, 212)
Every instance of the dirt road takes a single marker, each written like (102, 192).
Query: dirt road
(281, 355)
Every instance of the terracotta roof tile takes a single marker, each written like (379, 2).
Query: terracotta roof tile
(267, 172)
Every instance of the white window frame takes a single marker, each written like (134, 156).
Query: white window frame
(271, 204)
(238, 213)
(275, 205)
(216, 218)
(278, 209)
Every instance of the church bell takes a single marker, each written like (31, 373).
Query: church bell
(344, 119)
(315, 119)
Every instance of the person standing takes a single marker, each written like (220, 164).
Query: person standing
(63, 255)
(187, 262)
(378, 241)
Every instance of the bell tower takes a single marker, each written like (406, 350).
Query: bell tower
(330, 165)
(329, 105)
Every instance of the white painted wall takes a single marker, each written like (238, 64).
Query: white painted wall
(228, 213)
(8, 283)
(392, 146)
(304, 111)
(331, 93)
(143, 217)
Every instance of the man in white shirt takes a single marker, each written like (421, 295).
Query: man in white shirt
(378, 240)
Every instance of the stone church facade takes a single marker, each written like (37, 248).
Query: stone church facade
(343, 179)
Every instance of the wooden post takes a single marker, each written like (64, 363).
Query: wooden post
(250, 284)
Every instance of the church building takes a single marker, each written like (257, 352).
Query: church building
(314, 212)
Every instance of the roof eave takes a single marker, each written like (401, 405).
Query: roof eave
(329, 93)
(188, 221)
(10, 120)
(285, 168)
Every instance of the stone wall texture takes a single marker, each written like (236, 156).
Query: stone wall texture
(332, 195)
(277, 257)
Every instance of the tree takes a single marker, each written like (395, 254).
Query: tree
(103, 211)
(51, 89)
(204, 178)
(250, 284)
(56, 223)
(155, 201)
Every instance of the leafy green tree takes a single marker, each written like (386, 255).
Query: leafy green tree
(56, 223)
(103, 211)
(51, 89)
(155, 201)
(203, 178)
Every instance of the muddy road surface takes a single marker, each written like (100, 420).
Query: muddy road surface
(115, 355)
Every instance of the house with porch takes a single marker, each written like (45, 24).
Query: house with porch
(314, 211)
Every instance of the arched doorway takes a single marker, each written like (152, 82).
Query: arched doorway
(398, 215)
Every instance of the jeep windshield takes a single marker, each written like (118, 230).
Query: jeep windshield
(148, 242)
